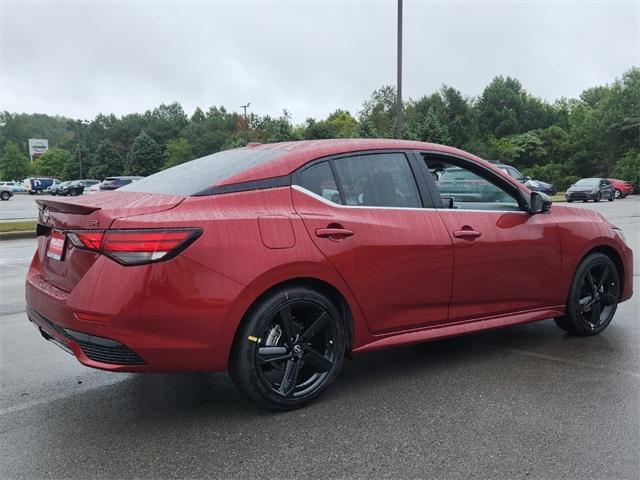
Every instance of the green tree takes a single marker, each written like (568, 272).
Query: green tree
(378, 114)
(14, 163)
(628, 168)
(107, 162)
(52, 162)
(145, 157)
(176, 152)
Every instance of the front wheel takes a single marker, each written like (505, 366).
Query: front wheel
(5, 196)
(593, 297)
(598, 197)
(289, 348)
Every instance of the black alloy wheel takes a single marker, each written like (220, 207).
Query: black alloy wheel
(593, 298)
(289, 350)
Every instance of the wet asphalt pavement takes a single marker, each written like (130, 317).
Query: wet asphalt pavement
(524, 402)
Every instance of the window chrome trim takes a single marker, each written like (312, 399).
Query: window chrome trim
(320, 198)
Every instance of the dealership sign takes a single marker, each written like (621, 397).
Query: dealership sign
(37, 146)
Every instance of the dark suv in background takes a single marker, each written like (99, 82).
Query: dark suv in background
(534, 185)
(76, 187)
(113, 183)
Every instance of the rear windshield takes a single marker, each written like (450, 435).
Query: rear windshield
(195, 176)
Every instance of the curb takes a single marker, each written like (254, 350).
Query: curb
(17, 235)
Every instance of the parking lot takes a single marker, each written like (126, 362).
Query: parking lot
(528, 401)
(21, 206)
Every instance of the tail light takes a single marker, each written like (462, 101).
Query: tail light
(135, 247)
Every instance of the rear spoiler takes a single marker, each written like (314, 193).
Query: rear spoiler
(65, 207)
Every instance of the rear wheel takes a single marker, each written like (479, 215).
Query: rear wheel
(618, 193)
(598, 197)
(289, 349)
(5, 196)
(593, 297)
(73, 193)
(611, 197)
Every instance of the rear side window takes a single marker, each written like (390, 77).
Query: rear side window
(197, 175)
(377, 180)
(319, 179)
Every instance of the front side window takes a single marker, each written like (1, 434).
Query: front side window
(377, 180)
(468, 189)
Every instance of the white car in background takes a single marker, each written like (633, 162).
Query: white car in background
(15, 187)
(95, 188)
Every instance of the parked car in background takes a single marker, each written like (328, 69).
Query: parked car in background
(15, 187)
(113, 183)
(248, 261)
(55, 189)
(534, 185)
(55, 183)
(621, 188)
(36, 185)
(93, 188)
(586, 189)
(76, 187)
(464, 186)
(5, 192)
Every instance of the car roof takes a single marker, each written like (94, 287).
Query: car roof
(295, 154)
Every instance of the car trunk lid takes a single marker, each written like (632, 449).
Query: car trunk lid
(63, 265)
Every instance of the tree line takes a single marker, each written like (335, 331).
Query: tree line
(597, 134)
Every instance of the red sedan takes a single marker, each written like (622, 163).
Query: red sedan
(275, 262)
(622, 188)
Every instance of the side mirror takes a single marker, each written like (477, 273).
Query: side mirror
(539, 203)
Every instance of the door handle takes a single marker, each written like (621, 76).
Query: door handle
(333, 233)
(470, 234)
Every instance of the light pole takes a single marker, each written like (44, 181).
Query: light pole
(399, 82)
(246, 123)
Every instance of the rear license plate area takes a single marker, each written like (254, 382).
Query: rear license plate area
(57, 241)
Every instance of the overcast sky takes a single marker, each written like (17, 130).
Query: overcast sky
(79, 58)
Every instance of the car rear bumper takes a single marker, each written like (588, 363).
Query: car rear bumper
(147, 319)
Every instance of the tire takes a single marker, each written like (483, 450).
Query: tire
(73, 193)
(275, 328)
(5, 196)
(623, 195)
(618, 193)
(598, 197)
(569, 201)
(611, 197)
(593, 296)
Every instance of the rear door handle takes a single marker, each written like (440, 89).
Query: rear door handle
(333, 233)
(470, 234)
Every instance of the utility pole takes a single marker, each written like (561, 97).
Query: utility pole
(78, 146)
(399, 82)
(246, 123)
